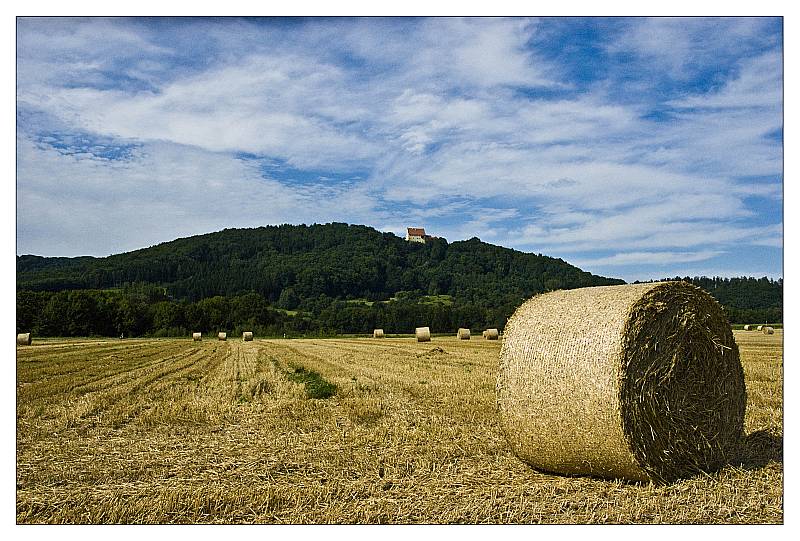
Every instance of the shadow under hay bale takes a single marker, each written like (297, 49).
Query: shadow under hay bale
(758, 449)
(641, 382)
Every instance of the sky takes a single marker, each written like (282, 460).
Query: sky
(636, 148)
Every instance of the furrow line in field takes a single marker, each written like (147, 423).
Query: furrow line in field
(73, 381)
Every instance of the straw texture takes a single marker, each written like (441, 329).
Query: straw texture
(491, 334)
(768, 330)
(377, 333)
(247, 336)
(24, 339)
(222, 336)
(641, 382)
(196, 336)
(423, 334)
(463, 334)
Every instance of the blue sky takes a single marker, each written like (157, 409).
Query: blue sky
(632, 147)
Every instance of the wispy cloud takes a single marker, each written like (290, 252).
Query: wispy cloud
(668, 149)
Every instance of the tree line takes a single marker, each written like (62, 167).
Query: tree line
(313, 280)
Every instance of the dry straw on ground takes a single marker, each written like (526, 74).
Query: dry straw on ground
(491, 334)
(222, 336)
(377, 333)
(196, 336)
(768, 330)
(247, 336)
(423, 334)
(24, 339)
(640, 381)
(463, 334)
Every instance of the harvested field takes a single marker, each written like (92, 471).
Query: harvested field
(176, 431)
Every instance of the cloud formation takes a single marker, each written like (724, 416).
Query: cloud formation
(136, 131)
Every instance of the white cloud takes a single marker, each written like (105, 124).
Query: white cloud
(649, 258)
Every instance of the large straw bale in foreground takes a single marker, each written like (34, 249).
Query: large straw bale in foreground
(197, 336)
(24, 339)
(768, 330)
(247, 336)
(423, 334)
(491, 334)
(377, 333)
(636, 381)
(463, 334)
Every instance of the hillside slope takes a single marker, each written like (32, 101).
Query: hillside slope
(303, 262)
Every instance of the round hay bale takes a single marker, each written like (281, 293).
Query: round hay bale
(463, 334)
(222, 336)
(197, 336)
(641, 382)
(491, 334)
(377, 333)
(24, 339)
(247, 336)
(760, 327)
(423, 334)
(748, 327)
(768, 330)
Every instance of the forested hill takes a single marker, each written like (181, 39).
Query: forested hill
(298, 280)
(303, 262)
(312, 280)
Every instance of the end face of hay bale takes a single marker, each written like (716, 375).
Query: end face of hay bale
(222, 336)
(463, 334)
(377, 333)
(247, 336)
(197, 336)
(760, 328)
(768, 330)
(24, 339)
(423, 334)
(491, 334)
(638, 381)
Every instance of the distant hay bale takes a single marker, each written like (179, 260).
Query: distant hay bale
(463, 334)
(768, 330)
(423, 334)
(247, 336)
(24, 339)
(491, 334)
(640, 382)
(222, 336)
(197, 336)
(377, 333)
(748, 327)
(760, 327)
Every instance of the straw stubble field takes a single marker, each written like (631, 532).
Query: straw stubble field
(175, 431)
